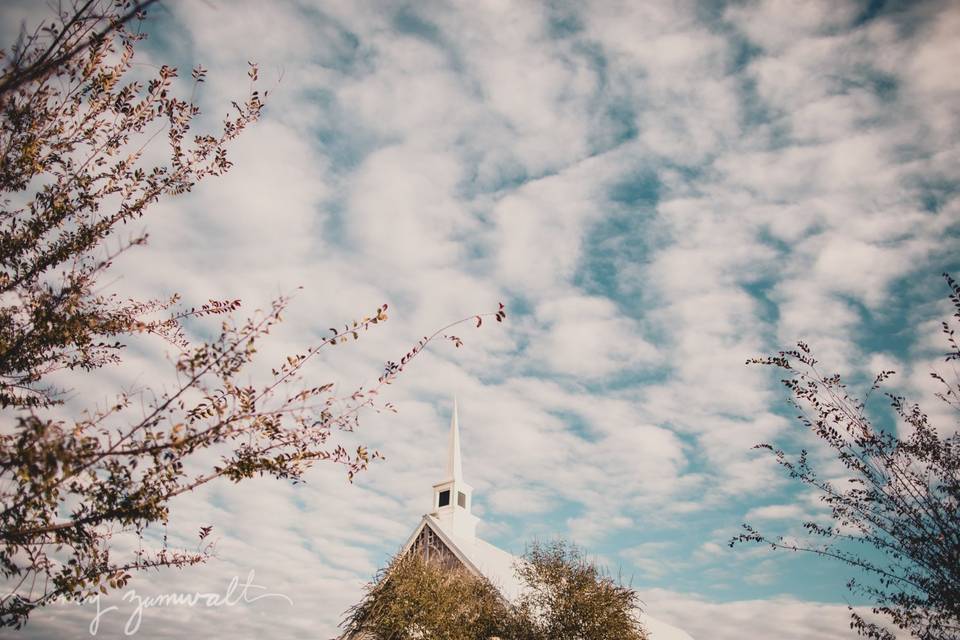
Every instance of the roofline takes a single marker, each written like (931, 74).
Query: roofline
(428, 520)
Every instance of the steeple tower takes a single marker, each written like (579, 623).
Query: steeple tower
(452, 496)
(454, 465)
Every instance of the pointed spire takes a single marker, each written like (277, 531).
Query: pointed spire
(454, 468)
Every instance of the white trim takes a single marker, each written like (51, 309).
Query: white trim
(429, 520)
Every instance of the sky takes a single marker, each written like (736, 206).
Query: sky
(657, 191)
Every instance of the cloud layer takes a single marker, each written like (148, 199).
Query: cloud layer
(658, 191)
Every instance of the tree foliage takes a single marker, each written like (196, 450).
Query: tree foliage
(74, 180)
(413, 598)
(564, 597)
(568, 597)
(896, 519)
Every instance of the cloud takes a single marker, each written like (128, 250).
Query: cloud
(588, 337)
(776, 512)
(764, 22)
(519, 501)
(786, 618)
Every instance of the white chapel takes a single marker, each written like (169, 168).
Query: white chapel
(448, 535)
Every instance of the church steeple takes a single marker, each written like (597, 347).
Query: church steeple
(454, 466)
(453, 497)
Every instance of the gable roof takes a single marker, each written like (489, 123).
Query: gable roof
(479, 556)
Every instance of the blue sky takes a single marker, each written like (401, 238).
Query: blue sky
(658, 191)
